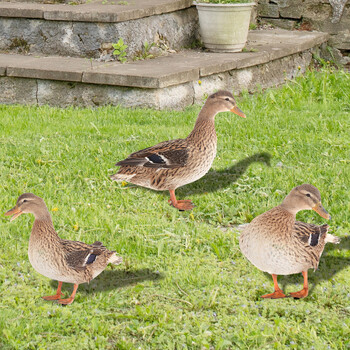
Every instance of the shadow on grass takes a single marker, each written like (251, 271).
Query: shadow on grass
(330, 265)
(216, 180)
(114, 279)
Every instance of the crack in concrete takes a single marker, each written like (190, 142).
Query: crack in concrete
(80, 38)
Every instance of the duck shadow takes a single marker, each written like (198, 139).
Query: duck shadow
(328, 267)
(216, 180)
(114, 279)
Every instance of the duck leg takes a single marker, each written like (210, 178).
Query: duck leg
(278, 293)
(305, 291)
(57, 295)
(181, 205)
(71, 298)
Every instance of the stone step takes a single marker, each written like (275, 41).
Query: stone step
(172, 81)
(83, 30)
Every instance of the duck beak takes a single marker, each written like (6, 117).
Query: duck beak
(321, 211)
(15, 212)
(237, 111)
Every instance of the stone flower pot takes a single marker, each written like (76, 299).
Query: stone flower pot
(224, 27)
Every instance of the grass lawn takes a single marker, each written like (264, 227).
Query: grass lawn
(184, 284)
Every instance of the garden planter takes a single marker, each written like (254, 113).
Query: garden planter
(224, 27)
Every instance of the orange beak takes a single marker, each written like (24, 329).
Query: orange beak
(15, 212)
(237, 111)
(321, 211)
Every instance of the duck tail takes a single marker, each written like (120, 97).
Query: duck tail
(122, 177)
(115, 259)
(332, 239)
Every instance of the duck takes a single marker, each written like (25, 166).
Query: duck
(276, 243)
(175, 163)
(59, 259)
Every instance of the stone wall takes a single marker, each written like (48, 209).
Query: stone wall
(89, 39)
(330, 16)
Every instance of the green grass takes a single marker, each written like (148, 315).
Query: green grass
(185, 284)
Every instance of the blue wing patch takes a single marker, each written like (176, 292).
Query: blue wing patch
(155, 158)
(91, 259)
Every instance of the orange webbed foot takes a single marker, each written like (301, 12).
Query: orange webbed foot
(58, 294)
(277, 294)
(65, 301)
(299, 295)
(53, 297)
(185, 204)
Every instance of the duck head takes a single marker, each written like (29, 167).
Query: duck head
(305, 197)
(28, 203)
(223, 101)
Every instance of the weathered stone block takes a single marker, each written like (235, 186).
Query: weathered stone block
(341, 40)
(163, 72)
(329, 53)
(294, 11)
(54, 68)
(268, 10)
(274, 73)
(317, 12)
(281, 3)
(175, 97)
(328, 16)
(18, 90)
(271, 74)
(335, 29)
(64, 94)
(17, 10)
(281, 23)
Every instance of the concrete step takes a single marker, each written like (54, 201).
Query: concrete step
(83, 30)
(172, 81)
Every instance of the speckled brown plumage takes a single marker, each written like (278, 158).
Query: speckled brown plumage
(278, 244)
(313, 239)
(175, 163)
(59, 259)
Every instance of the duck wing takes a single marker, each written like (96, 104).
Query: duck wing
(79, 255)
(165, 155)
(310, 234)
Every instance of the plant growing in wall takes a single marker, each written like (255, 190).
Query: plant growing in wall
(224, 24)
(120, 50)
(145, 53)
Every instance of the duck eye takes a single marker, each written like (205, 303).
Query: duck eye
(308, 195)
(24, 200)
(227, 99)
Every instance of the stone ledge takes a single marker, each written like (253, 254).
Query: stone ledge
(64, 94)
(174, 69)
(95, 11)
(51, 68)
(280, 43)
(157, 73)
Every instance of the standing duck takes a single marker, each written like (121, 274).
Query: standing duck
(56, 258)
(278, 244)
(175, 163)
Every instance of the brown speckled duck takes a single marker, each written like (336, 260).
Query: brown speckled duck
(278, 244)
(175, 163)
(56, 258)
